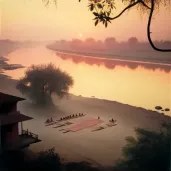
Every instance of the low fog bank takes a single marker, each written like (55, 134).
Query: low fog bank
(7, 46)
(101, 147)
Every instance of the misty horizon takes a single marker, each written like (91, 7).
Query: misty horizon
(20, 23)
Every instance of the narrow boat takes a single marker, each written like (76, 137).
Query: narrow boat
(59, 126)
(65, 124)
(51, 123)
(66, 131)
(62, 130)
(110, 125)
(98, 129)
(59, 120)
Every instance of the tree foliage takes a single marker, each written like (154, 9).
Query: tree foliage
(103, 10)
(40, 82)
(19, 160)
(149, 151)
(47, 160)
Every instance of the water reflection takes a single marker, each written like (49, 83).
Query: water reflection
(139, 84)
(111, 64)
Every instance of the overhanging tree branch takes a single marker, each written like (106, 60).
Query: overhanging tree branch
(149, 22)
(129, 6)
(143, 3)
(149, 32)
(104, 17)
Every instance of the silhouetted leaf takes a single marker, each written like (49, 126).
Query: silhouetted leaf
(96, 22)
(95, 13)
(95, 18)
(91, 7)
(99, 6)
(106, 23)
(108, 19)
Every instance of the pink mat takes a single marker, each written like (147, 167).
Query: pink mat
(84, 124)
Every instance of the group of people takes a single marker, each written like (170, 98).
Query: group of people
(74, 116)
(112, 120)
(71, 116)
(49, 120)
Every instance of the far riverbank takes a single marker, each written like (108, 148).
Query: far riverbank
(138, 56)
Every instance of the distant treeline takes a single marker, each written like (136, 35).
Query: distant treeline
(110, 43)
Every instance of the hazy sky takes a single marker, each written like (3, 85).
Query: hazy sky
(31, 20)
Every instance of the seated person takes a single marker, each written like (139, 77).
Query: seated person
(47, 121)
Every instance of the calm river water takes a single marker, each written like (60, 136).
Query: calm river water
(139, 84)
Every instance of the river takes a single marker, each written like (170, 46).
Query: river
(136, 83)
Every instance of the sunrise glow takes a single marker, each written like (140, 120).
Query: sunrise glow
(32, 20)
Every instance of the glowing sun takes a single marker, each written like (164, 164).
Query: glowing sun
(80, 35)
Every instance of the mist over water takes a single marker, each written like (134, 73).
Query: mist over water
(137, 84)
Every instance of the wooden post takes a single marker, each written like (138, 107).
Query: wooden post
(0, 136)
(21, 127)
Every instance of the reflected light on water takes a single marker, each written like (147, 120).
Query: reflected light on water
(135, 84)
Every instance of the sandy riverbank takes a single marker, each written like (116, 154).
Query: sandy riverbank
(102, 147)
